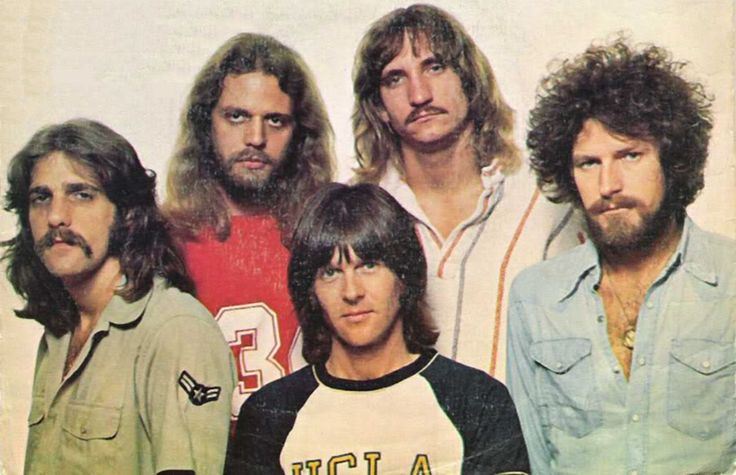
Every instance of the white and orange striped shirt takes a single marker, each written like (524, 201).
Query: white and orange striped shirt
(470, 272)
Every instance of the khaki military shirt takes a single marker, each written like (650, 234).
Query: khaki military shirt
(150, 391)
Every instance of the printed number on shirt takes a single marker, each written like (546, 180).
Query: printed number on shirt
(253, 335)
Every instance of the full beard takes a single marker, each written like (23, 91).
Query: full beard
(249, 187)
(620, 236)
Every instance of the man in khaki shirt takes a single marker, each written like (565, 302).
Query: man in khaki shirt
(132, 374)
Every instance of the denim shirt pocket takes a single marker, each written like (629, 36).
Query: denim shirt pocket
(700, 389)
(567, 385)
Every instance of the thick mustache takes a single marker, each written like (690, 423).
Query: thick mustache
(603, 205)
(250, 155)
(420, 111)
(66, 236)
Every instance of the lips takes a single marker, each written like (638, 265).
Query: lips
(423, 113)
(357, 315)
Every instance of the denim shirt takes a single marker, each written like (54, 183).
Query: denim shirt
(676, 414)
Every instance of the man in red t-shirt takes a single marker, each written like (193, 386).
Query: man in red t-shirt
(255, 143)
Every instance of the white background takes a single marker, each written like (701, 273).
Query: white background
(131, 64)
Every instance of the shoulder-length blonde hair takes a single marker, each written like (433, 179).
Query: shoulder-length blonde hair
(492, 118)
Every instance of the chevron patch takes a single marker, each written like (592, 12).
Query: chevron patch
(198, 393)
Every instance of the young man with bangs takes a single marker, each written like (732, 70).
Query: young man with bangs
(621, 352)
(377, 397)
(432, 128)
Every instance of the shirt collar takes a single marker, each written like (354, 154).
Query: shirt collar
(119, 312)
(691, 253)
(696, 257)
(393, 182)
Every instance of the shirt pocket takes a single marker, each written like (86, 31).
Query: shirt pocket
(700, 388)
(566, 384)
(86, 422)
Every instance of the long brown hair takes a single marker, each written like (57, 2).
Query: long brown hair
(492, 118)
(194, 197)
(139, 237)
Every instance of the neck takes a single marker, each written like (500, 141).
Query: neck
(243, 207)
(93, 293)
(441, 170)
(643, 265)
(371, 363)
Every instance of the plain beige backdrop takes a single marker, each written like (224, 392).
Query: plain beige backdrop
(130, 64)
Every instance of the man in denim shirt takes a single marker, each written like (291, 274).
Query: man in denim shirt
(621, 352)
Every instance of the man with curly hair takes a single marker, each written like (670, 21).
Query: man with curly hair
(132, 374)
(255, 143)
(621, 352)
(432, 128)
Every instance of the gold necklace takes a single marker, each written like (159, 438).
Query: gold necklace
(628, 339)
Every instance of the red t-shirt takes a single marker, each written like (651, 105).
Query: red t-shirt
(243, 282)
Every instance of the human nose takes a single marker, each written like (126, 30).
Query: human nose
(610, 180)
(255, 135)
(352, 290)
(420, 92)
(59, 213)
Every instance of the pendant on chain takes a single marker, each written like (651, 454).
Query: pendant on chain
(629, 338)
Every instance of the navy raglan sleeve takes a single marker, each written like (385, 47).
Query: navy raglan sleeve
(481, 409)
(264, 423)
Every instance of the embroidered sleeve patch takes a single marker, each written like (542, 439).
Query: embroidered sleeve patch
(198, 393)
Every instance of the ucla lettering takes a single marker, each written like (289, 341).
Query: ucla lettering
(420, 466)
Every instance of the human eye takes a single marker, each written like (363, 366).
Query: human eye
(327, 273)
(370, 266)
(435, 67)
(391, 80)
(38, 198)
(586, 163)
(278, 121)
(235, 116)
(84, 195)
(632, 155)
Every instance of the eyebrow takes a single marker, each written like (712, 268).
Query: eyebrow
(68, 188)
(432, 58)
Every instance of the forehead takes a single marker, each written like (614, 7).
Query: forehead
(60, 167)
(254, 90)
(415, 47)
(594, 136)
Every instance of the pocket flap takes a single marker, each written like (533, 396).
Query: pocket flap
(92, 422)
(560, 355)
(704, 356)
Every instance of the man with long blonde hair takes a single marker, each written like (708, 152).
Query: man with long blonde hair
(255, 143)
(432, 128)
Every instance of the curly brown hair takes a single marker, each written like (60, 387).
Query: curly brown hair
(194, 197)
(639, 93)
(492, 118)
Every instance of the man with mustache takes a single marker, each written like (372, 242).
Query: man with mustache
(621, 352)
(432, 128)
(131, 368)
(255, 143)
